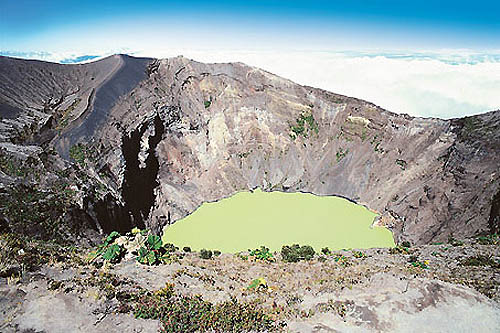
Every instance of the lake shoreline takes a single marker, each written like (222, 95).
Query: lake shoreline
(283, 219)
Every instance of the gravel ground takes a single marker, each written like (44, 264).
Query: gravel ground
(345, 291)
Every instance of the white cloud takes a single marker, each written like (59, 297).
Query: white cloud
(427, 87)
(62, 57)
(428, 84)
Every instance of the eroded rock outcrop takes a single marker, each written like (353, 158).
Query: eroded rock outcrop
(199, 132)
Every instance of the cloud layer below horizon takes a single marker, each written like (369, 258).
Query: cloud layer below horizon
(419, 87)
(444, 85)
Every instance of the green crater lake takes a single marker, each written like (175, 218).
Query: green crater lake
(248, 220)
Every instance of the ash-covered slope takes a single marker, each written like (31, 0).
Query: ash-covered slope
(176, 133)
(69, 101)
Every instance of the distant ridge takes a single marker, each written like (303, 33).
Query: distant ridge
(173, 133)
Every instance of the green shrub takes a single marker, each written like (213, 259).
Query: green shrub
(454, 242)
(341, 153)
(295, 253)
(149, 250)
(470, 128)
(152, 253)
(480, 260)
(107, 250)
(489, 240)
(205, 254)
(358, 254)
(242, 256)
(15, 167)
(326, 251)
(20, 253)
(413, 260)
(39, 214)
(258, 284)
(147, 257)
(186, 249)
(376, 142)
(262, 254)
(399, 250)
(342, 260)
(402, 164)
(421, 264)
(179, 313)
(217, 253)
(113, 253)
(305, 123)
(81, 152)
(169, 247)
(406, 244)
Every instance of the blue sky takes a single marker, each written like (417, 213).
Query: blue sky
(352, 24)
(427, 58)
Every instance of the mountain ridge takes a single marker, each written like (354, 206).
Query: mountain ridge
(227, 127)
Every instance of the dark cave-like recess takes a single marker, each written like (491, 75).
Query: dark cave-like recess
(494, 220)
(139, 183)
(111, 215)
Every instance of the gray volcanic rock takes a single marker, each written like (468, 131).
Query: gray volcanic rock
(127, 74)
(379, 291)
(171, 134)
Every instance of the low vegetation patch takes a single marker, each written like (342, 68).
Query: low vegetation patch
(179, 313)
(81, 153)
(39, 214)
(207, 103)
(376, 142)
(262, 254)
(304, 126)
(358, 254)
(206, 254)
(455, 242)
(17, 168)
(65, 114)
(399, 250)
(108, 250)
(480, 260)
(493, 239)
(242, 256)
(413, 260)
(147, 249)
(326, 251)
(243, 155)
(470, 128)
(153, 253)
(402, 164)
(342, 260)
(406, 244)
(258, 284)
(341, 153)
(295, 253)
(20, 254)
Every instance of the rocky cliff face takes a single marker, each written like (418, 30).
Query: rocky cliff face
(160, 137)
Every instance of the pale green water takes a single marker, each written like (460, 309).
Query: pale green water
(248, 220)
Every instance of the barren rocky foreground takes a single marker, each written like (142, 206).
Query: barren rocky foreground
(129, 142)
(346, 291)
